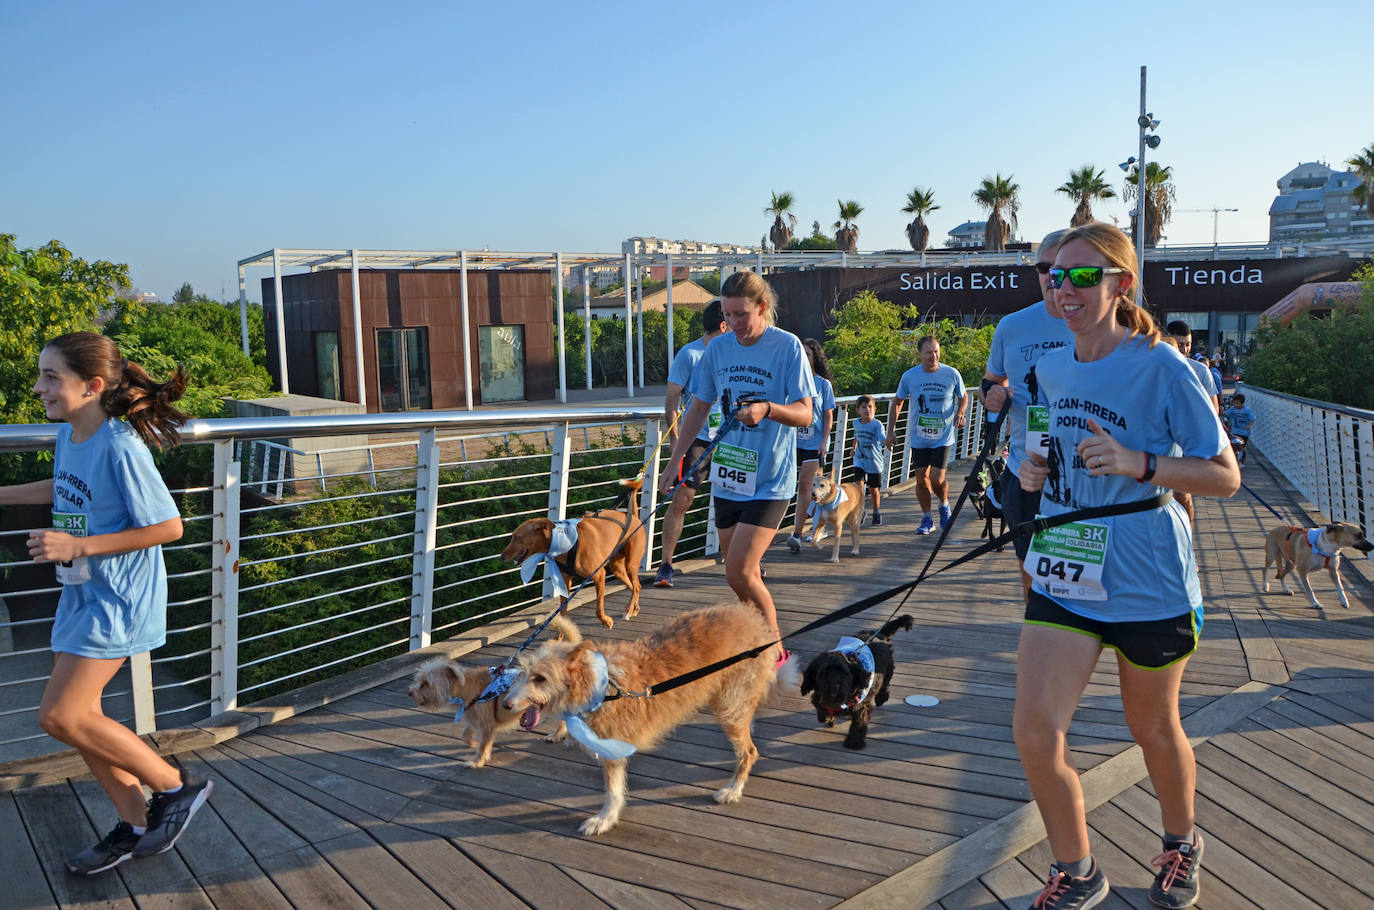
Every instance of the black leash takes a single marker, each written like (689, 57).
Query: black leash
(1262, 502)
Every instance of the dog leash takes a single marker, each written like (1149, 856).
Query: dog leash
(1262, 502)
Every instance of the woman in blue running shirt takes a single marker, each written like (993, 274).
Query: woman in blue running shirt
(1128, 420)
(765, 375)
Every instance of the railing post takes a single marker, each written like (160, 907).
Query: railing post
(224, 575)
(559, 461)
(1365, 443)
(141, 676)
(648, 496)
(841, 437)
(426, 520)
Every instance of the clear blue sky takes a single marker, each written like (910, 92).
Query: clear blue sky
(182, 137)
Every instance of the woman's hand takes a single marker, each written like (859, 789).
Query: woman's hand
(54, 546)
(1034, 471)
(1103, 455)
(754, 413)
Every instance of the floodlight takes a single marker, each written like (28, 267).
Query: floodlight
(1152, 141)
(1126, 165)
(1147, 121)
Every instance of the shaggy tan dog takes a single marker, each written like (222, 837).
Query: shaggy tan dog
(562, 676)
(439, 683)
(832, 518)
(611, 534)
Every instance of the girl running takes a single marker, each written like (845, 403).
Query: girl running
(111, 515)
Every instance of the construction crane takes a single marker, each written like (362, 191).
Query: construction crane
(1216, 213)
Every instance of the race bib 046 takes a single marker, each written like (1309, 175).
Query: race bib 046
(735, 469)
(1038, 429)
(1068, 560)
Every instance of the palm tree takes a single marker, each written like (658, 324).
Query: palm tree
(781, 208)
(1159, 199)
(1083, 186)
(998, 194)
(920, 203)
(846, 231)
(1363, 163)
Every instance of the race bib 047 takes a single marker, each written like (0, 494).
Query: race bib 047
(1068, 560)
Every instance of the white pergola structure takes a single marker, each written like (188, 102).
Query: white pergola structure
(631, 264)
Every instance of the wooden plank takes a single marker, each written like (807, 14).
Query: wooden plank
(446, 869)
(376, 875)
(306, 819)
(973, 896)
(242, 886)
(623, 895)
(254, 827)
(537, 883)
(25, 885)
(307, 880)
(57, 829)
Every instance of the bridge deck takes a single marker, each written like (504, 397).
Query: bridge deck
(365, 802)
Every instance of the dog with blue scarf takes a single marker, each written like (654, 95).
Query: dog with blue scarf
(603, 691)
(852, 679)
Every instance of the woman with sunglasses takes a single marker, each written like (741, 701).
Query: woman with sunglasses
(766, 376)
(1128, 421)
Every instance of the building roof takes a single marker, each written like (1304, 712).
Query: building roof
(969, 227)
(685, 293)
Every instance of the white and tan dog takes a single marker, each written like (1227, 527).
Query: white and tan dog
(1303, 550)
(571, 680)
(832, 513)
(441, 684)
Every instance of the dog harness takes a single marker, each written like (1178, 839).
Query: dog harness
(602, 747)
(821, 510)
(855, 648)
(500, 681)
(562, 543)
(1313, 535)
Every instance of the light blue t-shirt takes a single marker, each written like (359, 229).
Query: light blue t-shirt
(684, 364)
(1216, 378)
(1204, 376)
(809, 438)
(1149, 400)
(870, 447)
(1020, 340)
(934, 400)
(106, 484)
(757, 462)
(1240, 420)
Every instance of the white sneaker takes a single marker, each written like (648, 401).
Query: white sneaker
(794, 543)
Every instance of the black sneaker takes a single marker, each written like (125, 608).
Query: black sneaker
(170, 813)
(116, 847)
(664, 578)
(1066, 892)
(877, 519)
(1176, 885)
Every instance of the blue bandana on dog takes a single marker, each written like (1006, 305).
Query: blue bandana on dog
(603, 748)
(562, 538)
(500, 681)
(856, 648)
(820, 510)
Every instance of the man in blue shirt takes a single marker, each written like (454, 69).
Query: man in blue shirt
(1240, 420)
(1183, 340)
(679, 378)
(939, 404)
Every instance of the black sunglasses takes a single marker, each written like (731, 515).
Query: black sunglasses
(1044, 267)
(1081, 276)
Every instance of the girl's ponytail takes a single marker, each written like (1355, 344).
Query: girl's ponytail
(148, 405)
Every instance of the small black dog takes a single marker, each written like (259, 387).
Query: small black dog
(853, 680)
(984, 492)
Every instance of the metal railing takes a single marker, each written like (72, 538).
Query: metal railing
(1326, 451)
(270, 592)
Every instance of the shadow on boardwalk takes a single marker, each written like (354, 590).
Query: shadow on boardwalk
(365, 802)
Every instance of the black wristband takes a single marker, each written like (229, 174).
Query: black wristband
(987, 384)
(768, 413)
(1150, 465)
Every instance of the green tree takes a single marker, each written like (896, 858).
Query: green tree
(817, 241)
(919, 202)
(783, 219)
(1159, 199)
(1084, 186)
(1297, 358)
(1363, 163)
(846, 231)
(184, 295)
(44, 292)
(998, 194)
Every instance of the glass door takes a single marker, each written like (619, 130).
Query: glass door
(501, 349)
(403, 369)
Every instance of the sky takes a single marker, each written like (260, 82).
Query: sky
(182, 137)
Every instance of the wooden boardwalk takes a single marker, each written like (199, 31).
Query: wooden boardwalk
(365, 803)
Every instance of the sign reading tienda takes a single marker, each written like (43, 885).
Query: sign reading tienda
(1228, 286)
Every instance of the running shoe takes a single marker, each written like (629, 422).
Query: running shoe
(664, 578)
(1066, 892)
(794, 543)
(944, 517)
(170, 813)
(1176, 885)
(877, 519)
(927, 525)
(115, 848)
